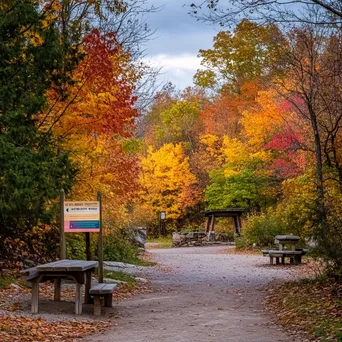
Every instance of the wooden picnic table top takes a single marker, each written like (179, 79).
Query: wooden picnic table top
(291, 238)
(67, 266)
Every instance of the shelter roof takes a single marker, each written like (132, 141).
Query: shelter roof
(229, 212)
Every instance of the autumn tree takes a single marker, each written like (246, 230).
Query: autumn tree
(33, 165)
(167, 183)
(250, 52)
(314, 92)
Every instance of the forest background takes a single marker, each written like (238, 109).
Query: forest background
(260, 128)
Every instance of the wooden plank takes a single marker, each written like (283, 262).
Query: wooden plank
(57, 291)
(97, 306)
(87, 299)
(51, 266)
(67, 265)
(276, 251)
(28, 270)
(35, 297)
(78, 299)
(108, 300)
(82, 266)
(102, 289)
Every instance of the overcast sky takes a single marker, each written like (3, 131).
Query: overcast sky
(177, 41)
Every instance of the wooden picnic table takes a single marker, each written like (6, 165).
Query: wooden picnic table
(77, 270)
(294, 254)
(283, 240)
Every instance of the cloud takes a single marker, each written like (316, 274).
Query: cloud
(178, 69)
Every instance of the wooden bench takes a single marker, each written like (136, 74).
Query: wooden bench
(100, 291)
(295, 256)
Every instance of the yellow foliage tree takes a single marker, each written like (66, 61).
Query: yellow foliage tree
(167, 182)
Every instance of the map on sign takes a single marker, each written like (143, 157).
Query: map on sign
(81, 217)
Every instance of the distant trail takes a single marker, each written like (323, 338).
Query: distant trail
(205, 297)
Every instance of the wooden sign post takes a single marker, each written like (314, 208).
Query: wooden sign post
(82, 217)
(62, 235)
(100, 241)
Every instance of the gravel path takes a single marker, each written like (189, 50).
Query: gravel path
(201, 296)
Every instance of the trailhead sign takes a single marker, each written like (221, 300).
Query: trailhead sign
(81, 217)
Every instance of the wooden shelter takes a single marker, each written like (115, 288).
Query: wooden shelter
(235, 213)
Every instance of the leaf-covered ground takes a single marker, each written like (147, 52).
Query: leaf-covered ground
(54, 323)
(32, 329)
(313, 306)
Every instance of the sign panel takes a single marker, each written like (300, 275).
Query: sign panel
(80, 217)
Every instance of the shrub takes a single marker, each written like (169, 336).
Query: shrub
(262, 229)
(75, 245)
(242, 243)
(117, 247)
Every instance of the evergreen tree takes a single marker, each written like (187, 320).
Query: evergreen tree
(32, 166)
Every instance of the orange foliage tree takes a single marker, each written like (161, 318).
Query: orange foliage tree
(96, 119)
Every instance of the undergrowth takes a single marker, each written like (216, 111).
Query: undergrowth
(162, 242)
(314, 306)
(6, 280)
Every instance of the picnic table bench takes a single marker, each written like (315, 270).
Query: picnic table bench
(295, 254)
(102, 291)
(77, 270)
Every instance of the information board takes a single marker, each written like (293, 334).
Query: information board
(81, 217)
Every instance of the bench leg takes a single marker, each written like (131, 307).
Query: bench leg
(57, 293)
(87, 297)
(298, 259)
(277, 260)
(97, 305)
(283, 259)
(78, 299)
(271, 260)
(108, 300)
(35, 297)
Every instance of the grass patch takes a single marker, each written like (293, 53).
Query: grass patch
(117, 275)
(161, 242)
(6, 280)
(141, 262)
(313, 306)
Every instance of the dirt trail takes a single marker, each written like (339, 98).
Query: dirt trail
(205, 296)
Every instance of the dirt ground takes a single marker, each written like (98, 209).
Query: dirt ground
(200, 295)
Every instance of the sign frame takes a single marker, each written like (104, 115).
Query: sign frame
(81, 216)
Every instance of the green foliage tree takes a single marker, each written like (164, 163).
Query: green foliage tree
(241, 190)
(32, 166)
(250, 52)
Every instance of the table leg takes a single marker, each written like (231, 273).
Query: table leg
(78, 299)
(283, 259)
(57, 294)
(277, 260)
(271, 260)
(87, 298)
(35, 297)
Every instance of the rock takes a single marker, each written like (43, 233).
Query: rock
(141, 280)
(15, 286)
(117, 264)
(139, 236)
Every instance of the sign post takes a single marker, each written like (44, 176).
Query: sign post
(100, 242)
(62, 235)
(162, 217)
(82, 217)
